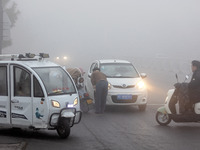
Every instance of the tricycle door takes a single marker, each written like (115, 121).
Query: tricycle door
(40, 105)
(21, 100)
(4, 95)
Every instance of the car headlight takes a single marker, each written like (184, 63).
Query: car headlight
(140, 85)
(109, 86)
(75, 101)
(55, 104)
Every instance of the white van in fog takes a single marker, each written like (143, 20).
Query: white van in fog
(125, 84)
(37, 94)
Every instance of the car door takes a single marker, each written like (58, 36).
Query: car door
(21, 99)
(4, 95)
(89, 86)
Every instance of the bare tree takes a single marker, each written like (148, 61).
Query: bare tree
(12, 12)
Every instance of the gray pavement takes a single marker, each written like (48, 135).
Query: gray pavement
(122, 128)
(13, 146)
(119, 128)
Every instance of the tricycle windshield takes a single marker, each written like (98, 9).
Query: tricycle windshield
(56, 80)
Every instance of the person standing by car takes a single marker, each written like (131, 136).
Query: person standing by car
(100, 84)
(194, 85)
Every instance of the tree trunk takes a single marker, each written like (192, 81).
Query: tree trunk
(1, 26)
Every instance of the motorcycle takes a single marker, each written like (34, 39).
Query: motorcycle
(86, 103)
(180, 113)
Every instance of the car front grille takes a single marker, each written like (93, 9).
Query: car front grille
(133, 100)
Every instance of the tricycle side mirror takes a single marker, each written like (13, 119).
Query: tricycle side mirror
(143, 75)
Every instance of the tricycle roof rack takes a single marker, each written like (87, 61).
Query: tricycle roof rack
(26, 57)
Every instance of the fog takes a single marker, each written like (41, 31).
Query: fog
(156, 35)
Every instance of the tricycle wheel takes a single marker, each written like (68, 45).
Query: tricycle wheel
(163, 119)
(63, 128)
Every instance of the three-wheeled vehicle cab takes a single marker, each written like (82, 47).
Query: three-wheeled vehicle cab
(37, 94)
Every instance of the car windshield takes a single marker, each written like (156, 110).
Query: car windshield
(56, 80)
(119, 70)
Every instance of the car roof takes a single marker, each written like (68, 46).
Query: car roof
(31, 63)
(113, 61)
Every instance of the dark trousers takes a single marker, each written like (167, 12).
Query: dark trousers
(173, 102)
(101, 95)
(182, 107)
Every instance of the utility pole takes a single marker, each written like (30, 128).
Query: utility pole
(1, 26)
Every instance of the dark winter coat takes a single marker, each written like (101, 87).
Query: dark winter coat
(194, 87)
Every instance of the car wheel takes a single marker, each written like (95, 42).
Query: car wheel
(142, 107)
(163, 119)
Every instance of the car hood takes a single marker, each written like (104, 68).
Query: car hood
(122, 81)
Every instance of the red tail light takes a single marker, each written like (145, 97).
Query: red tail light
(86, 95)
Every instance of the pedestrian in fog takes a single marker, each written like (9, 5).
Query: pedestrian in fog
(100, 85)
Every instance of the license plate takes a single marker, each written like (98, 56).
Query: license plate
(89, 101)
(124, 97)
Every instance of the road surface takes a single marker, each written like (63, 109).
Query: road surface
(119, 128)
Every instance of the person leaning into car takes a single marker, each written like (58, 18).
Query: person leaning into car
(100, 84)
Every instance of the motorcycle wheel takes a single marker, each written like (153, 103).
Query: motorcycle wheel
(162, 119)
(84, 106)
(63, 128)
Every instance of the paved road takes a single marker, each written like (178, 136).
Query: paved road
(119, 128)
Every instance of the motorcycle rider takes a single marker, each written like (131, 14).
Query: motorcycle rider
(193, 90)
(194, 85)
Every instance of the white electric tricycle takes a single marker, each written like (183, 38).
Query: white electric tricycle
(37, 94)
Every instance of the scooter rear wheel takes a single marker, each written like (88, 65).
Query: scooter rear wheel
(163, 119)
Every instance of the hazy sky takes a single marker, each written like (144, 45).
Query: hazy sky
(85, 30)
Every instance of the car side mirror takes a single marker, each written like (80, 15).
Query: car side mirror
(89, 75)
(186, 77)
(143, 75)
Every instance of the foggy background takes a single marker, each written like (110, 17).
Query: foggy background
(159, 37)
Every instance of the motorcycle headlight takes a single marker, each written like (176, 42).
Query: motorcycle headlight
(55, 104)
(109, 86)
(140, 85)
(75, 101)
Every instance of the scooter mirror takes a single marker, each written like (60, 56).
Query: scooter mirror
(81, 80)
